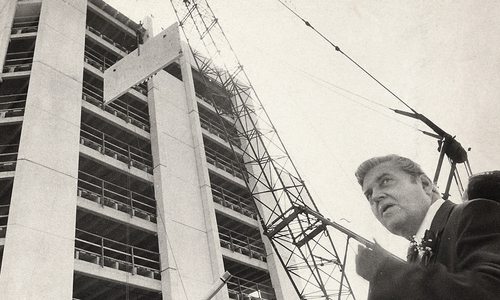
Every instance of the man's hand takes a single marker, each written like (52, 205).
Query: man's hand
(369, 261)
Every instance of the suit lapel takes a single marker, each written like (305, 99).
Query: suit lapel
(441, 217)
(438, 224)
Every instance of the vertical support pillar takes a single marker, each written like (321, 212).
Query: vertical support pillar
(7, 12)
(187, 232)
(38, 256)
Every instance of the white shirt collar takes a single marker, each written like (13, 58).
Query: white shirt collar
(429, 216)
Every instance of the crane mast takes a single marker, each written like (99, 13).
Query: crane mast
(289, 217)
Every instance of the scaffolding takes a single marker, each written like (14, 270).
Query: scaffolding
(289, 217)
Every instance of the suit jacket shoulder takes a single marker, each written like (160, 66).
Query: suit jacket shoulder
(468, 260)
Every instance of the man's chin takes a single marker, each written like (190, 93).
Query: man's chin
(393, 226)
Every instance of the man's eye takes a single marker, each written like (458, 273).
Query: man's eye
(385, 181)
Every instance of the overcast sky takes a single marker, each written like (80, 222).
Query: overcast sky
(441, 57)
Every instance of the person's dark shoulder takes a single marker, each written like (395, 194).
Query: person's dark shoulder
(480, 204)
(479, 211)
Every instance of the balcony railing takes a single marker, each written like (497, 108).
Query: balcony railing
(17, 65)
(105, 252)
(12, 105)
(224, 109)
(8, 157)
(128, 113)
(115, 148)
(4, 214)
(21, 57)
(241, 243)
(117, 197)
(141, 88)
(216, 128)
(107, 39)
(97, 60)
(25, 25)
(234, 201)
(223, 162)
(242, 289)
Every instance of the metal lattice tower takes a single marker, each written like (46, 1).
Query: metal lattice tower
(289, 217)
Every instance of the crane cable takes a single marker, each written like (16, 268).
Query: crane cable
(337, 48)
(335, 88)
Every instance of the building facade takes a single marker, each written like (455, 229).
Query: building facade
(141, 198)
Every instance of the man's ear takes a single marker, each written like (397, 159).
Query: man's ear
(427, 184)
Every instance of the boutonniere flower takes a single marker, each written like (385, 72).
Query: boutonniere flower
(427, 247)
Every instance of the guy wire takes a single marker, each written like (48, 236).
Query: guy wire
(337, 48)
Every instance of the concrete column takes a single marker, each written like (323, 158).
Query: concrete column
(187, 236)
(38, 257)
(204, 180)
(7, 12)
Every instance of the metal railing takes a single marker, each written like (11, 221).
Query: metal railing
(4, 215)
(242, 289)
(216, 128)
(8, 157)
(225, 109)
(12, 105)
(97, 60)
(11, 67)
(25, 25)
(128, 113)
(117, 197)
(18, 61)
(107, 39)
(141, 88)
(105, 252)
(238, 242)
(223, 162)
(16, 58)
(112, 147)
(234, 201)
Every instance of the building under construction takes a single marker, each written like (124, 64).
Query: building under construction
(141, 198)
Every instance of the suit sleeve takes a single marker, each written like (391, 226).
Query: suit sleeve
(477, 274)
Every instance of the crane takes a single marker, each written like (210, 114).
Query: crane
(310, 247)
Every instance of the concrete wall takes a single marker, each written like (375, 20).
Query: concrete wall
(7, 11)
(39, 245)
(187, 231)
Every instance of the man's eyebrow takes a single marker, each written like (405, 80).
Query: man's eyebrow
(381, 176)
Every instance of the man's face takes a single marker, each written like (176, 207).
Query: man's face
(397, 200)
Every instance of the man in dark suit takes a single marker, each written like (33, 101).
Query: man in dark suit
(455, 252)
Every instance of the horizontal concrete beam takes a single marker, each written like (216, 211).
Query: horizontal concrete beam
(113, 214)
(246, 260)
(154, 55)
(118, 276)
(236, 215)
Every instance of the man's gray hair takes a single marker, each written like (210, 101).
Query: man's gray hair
(406, 165)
